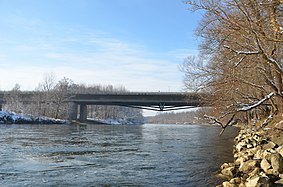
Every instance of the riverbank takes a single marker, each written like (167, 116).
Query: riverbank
(258, 159)
(13, 118)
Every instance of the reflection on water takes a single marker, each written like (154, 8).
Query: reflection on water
(110, 155)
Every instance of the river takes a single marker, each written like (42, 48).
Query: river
(112, 155)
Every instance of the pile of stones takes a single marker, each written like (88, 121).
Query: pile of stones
(258, 162)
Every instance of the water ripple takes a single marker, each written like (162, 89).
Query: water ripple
(103, 155)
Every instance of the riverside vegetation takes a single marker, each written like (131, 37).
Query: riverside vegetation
(48, 100)
(240, 65)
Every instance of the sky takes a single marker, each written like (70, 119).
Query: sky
(138, 44)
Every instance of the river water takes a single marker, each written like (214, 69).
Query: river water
(112, 155)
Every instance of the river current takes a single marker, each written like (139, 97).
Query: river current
(112, 155)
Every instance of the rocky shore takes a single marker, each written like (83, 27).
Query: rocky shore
(258, 159)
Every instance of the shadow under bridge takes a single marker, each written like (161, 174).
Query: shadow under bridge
(157, 101)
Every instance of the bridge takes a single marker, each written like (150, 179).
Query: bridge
(157, 101)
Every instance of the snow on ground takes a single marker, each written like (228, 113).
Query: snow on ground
(13, 118)
(117, 121)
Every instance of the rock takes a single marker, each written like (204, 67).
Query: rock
(239, 161)
(279, 182)
(228, 184)
(236, 155)
(277, 137)
(258, 181)
(269, 145)
(280, 150)
(255, 172)
(224, 166)
(257, 137)
(249, 146)
(279, 125)
(259, 154)
(249, 153)
(229, 172)
(273, 178)
(258, 160)
(248, 166)
(254, 150)
(264, 182)
(240, 146)
(267, 154)
(236, 180)
(265, 165)
(277, 163)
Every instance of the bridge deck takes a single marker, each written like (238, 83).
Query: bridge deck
(145, 100)
(150, 100)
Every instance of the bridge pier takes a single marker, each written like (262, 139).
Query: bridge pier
(73, 111)
(83, 113)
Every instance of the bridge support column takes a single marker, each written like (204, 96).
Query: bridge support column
(83, 112)
(72, 111)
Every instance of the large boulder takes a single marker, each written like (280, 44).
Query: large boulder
(248, 166)
(280, 150)
(239, 161)
(265, 165)
(256, 171)
(258, 181)
(269, 145)
(229, 171)
(228, 184)
(277, 163)
(279, 125)
(279, 183)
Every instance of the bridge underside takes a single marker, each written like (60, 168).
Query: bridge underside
(162, 106)
(158, 107)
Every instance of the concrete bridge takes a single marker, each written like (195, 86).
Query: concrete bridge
(157, 101)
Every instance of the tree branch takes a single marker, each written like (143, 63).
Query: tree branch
(250, 107)
(223, 126)
(242, 52)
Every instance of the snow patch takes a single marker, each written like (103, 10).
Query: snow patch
(13, 118)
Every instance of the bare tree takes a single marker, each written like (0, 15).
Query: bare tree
(61, 91)
(240, 60)
(13, 101)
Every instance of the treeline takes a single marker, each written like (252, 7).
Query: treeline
(240, 60)
(48, 99)
(189, 117)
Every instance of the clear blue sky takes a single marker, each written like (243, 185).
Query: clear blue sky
(135, 43)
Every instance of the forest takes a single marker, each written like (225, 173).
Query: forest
(193, 116)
